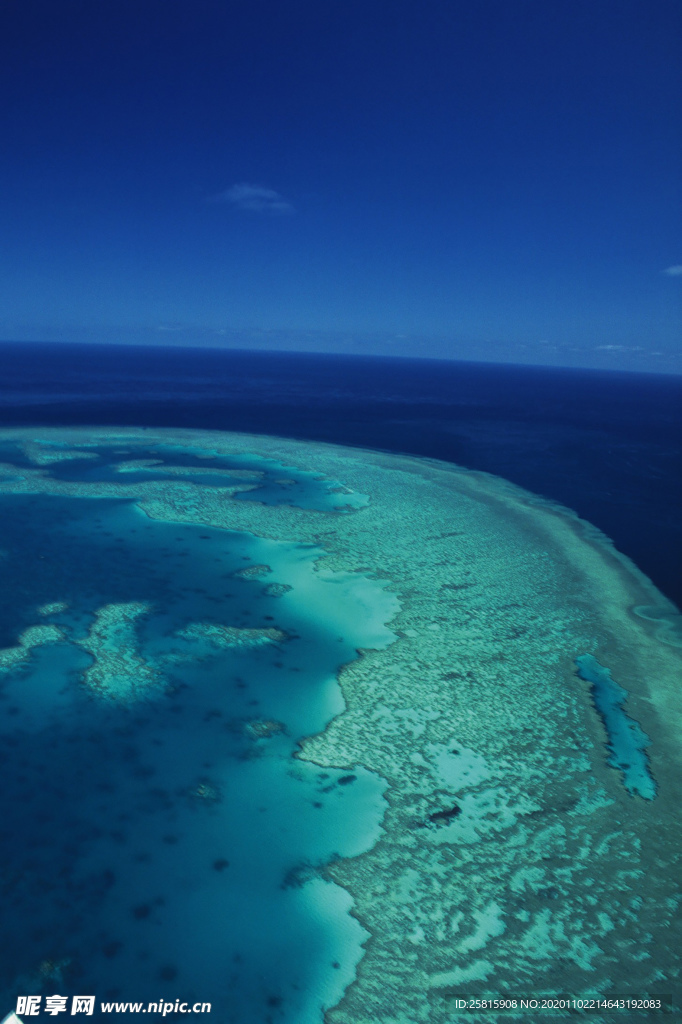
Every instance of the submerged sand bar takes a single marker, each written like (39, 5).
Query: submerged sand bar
(513, 860)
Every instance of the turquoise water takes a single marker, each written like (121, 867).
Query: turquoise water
(627, 741)
(159, 838)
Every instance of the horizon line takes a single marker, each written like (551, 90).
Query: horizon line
(402, 357)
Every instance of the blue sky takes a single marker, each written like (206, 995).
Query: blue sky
(461, 180)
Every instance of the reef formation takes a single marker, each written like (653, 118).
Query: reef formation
(513, 861)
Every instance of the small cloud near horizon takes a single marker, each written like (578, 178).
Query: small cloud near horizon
(675, 271)
(619, 348)
(255, 199)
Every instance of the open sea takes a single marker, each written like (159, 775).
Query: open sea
(608, 445)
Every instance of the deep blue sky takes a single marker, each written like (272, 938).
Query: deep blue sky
(486, 179)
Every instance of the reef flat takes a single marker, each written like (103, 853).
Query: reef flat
(512, 860)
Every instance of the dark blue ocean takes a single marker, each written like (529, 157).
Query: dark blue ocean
(606, 444)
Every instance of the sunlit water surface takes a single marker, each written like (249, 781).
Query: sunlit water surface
(159, 838)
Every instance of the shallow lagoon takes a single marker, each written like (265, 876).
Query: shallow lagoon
(159, 837)
(627, 743)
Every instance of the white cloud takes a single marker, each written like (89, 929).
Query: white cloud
(255, 199)
(675, 271)
(620, 348)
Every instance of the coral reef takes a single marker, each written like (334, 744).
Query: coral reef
(513, 860)
(118, 672)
